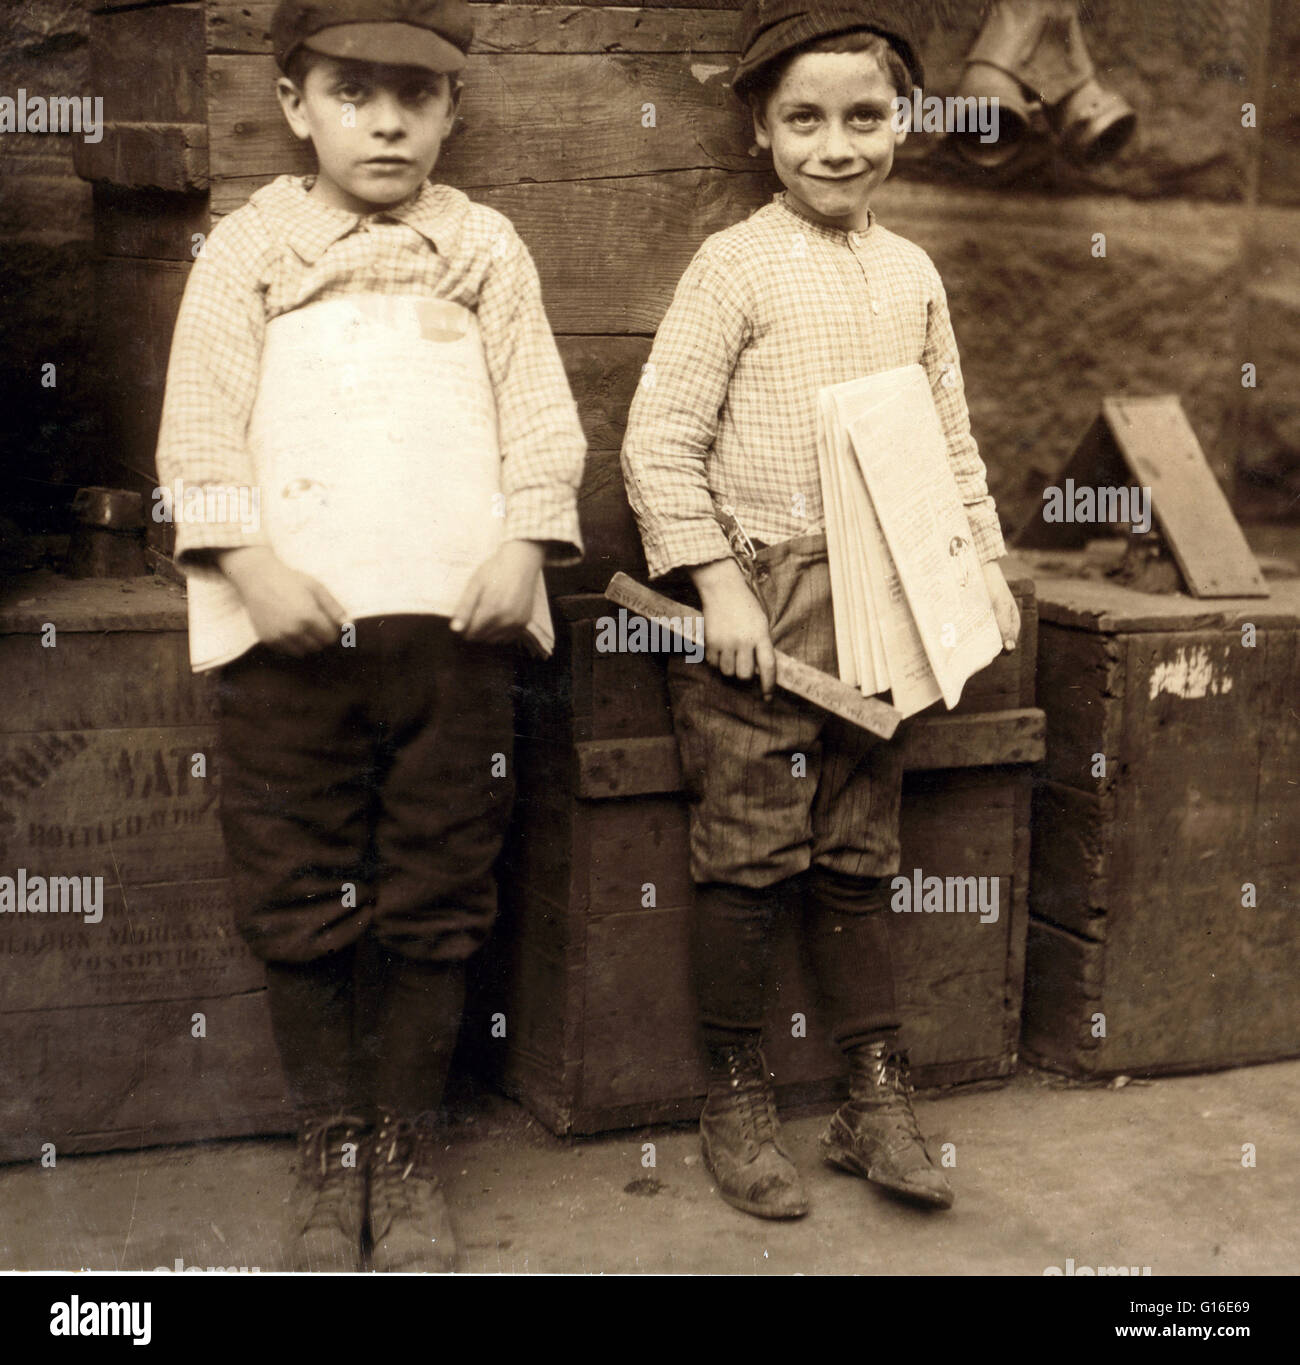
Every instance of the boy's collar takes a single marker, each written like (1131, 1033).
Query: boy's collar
(311, 227)
(782, 200)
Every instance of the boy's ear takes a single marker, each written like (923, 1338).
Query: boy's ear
(762, 133)
(291, 106)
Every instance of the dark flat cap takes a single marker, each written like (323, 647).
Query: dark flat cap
(435, 34)
(771, 28)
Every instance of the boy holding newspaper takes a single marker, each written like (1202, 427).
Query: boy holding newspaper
(366, 353)
(792, 810)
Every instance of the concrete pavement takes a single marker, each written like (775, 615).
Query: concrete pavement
(1047, 1171)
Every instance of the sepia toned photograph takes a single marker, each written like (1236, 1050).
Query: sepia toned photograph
(650, 641)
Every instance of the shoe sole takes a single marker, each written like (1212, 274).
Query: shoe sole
(760, 1210)
(841, 1158)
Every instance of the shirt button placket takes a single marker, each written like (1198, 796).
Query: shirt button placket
(856, 241)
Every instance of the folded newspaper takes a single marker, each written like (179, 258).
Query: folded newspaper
(374, 445)
(912, 614)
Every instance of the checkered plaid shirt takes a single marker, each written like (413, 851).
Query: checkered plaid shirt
(768, 312)
(284, 250)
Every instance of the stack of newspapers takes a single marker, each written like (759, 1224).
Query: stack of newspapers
(377, 466)
(912, 614)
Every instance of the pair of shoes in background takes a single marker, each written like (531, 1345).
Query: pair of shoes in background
(356, 1185)
(874, 1135)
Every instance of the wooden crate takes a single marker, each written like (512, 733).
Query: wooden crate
(594, 983)
(1138, 870)
(97, 747)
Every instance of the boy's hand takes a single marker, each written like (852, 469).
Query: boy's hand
(736, 637)
(1004, 605)
(291, 611)
(498, 601)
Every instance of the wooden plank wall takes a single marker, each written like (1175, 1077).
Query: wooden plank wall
(606, 135)
(609, 139)
(150, 200)
(552, 133)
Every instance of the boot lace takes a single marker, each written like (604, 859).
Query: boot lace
(892, 1096)
(748, 1079)
(321, 1154)
(401, 1160)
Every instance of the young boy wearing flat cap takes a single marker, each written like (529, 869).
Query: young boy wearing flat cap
(365, 751)
(720, 459)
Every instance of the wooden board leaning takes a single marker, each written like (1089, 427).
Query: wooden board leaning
(792, 675)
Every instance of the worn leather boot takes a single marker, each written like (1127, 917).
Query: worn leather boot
(410, 1224)
(741, 1139)
(875, 1134)
(328, 1206)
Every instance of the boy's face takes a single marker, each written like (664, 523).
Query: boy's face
(829, 125)
(377, 130)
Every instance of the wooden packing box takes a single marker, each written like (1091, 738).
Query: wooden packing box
(593, 983)
(97, 745)
(1140, 870)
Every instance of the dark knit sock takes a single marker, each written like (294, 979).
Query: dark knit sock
(732, 928)
(417, 1022)
(311, 1018)
(846, 930)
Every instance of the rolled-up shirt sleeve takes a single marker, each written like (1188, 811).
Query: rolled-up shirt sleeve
(212, 381)
(543, 448)
(943, 368)
(674, 418)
